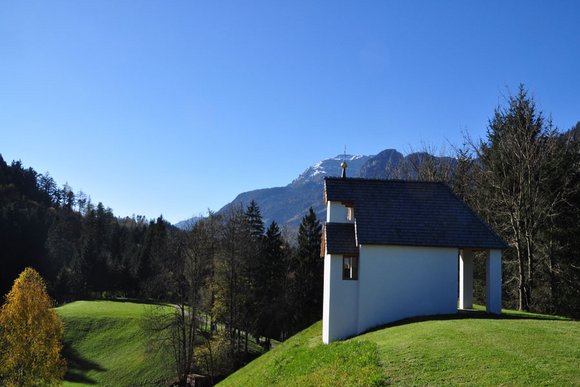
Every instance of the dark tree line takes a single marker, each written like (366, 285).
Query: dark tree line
(233, 281)
(81, 249)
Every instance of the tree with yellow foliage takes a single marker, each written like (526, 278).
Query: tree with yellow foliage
(30, 335)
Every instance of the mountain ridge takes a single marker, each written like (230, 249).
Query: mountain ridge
(288, 204)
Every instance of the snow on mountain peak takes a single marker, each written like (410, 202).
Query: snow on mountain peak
(331, 167)
(347, 157)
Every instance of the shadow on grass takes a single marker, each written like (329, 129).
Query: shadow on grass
(464, 314)
(78, 366)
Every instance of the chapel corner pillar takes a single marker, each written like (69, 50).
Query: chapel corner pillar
(466, 278)
(493, 281)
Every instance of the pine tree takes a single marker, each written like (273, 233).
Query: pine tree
(307, 270)
(271, 275)
(254, 217)
(252, 262)
(30, 335)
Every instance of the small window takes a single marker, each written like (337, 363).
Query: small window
(350, 268)
(349, 214)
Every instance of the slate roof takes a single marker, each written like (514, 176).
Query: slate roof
(411, 213)
(340, 239)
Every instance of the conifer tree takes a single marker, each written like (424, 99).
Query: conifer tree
(271, 274)
(307, 267)
(252, 265)
(255, 221)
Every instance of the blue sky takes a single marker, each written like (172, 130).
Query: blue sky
(174, 107)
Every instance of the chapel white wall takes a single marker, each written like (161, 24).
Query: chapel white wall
(397, 282)
(336, 212)
(340, 301)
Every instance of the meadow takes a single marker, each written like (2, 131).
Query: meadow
(105, 344)
(471, 348)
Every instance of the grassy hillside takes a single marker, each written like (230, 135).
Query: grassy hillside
(470, 348)
(105, 345)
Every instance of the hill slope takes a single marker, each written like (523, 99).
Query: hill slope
(469, 348)
(105, 345)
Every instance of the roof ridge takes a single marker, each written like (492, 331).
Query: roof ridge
(382, 180)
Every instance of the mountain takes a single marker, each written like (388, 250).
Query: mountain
(287, 205)
(383, 165)
(331, 167)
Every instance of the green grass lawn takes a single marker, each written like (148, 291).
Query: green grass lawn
(105, 345)
(471, 348)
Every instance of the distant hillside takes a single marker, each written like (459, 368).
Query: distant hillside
(466, 349)
(287, 205)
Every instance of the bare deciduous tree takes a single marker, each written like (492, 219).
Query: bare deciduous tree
(516, 167)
